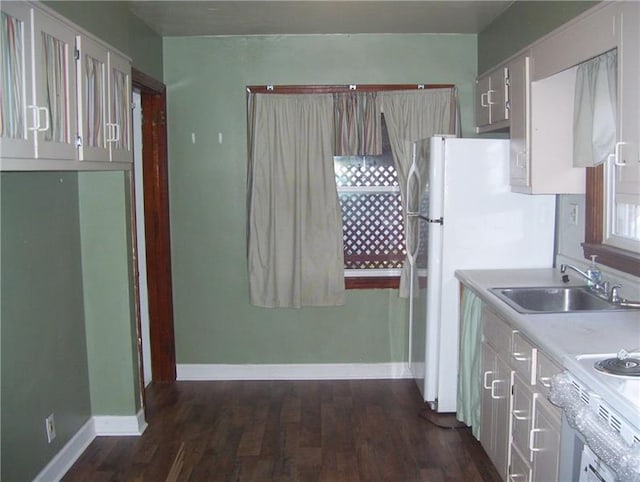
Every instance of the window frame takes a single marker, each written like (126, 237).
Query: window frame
(611, 256)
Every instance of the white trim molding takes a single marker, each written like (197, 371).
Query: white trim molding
(99, 425)
(110, 425)
(72, 450)
(306, 371)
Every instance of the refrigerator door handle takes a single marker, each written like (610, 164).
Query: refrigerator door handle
(439, 220)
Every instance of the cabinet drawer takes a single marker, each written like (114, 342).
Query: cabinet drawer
(522, 415)
(496, 332)
(545, 369)
(523, 358)
(519, 469)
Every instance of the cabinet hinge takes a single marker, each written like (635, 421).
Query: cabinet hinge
(76, 54)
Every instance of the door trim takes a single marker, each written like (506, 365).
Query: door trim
(157, 225)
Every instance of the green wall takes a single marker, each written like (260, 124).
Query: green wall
(44, 355)
(108, 292)
(113, 23)
(206, 79)
(521, 24)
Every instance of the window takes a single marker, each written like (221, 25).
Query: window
(372, 218)
(369, 188)
(622, 203)
(621, 259)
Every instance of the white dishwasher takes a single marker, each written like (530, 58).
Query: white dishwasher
(600, 399)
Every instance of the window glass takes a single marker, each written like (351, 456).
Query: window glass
(372, 214)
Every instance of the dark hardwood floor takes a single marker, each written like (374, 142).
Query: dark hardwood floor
(365, 430)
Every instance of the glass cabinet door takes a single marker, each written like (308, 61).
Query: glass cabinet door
(92, 128)
(16, 111)
(55, 88)
(119, 127)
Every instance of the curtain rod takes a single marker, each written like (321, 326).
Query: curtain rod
(330, 89)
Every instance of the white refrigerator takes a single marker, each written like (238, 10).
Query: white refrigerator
(466, 218)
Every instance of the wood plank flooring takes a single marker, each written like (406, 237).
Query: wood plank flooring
(286, 431)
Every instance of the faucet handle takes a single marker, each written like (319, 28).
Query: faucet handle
(614, 295)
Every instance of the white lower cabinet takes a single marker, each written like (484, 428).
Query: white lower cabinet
(496, 390)
(519, 427)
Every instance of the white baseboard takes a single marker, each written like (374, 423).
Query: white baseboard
(320, 371)
(110, 425)
(72, 450)
(96, 426)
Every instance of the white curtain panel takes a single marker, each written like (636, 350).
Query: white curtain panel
(295, 251)
(594, 120)
(412, 116)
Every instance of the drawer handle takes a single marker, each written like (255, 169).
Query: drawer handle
(517, 416)
(490, 97)
(545, 382)
(493, 390)
(46, 119)
(484, 380)
(36, 118)
(520, 356)
(532, 436)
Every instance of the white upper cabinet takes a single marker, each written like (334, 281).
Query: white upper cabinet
(539, 100)
(38, 85)
(492, 100)
(104, 90)
(59, 107)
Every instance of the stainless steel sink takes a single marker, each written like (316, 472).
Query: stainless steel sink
(554, 300)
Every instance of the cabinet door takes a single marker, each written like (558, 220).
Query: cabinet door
(544, 440)
(488, 372)
(119, 125)
(519, 109)
(55, 87)
(495, 408)
(17, 124)
(497, 97)
(92, 100)
(501, 394)
(483, 109)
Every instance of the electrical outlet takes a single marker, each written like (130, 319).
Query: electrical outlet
(50, 425)
(573, 214)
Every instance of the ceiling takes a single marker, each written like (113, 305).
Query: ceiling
(239, 17)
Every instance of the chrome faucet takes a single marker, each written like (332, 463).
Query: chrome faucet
(602, 288)
(593, 277)
(589, 275)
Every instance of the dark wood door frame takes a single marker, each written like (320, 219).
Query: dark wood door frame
(155, 172)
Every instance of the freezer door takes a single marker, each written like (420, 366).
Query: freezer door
(415, 232)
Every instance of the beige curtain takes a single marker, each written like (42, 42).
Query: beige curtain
(411, 116)
(358, 124)
(594, 120)
(295, 253)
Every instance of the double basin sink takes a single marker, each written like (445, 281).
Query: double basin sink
(570, 299)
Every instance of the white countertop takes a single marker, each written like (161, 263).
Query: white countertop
(563, 336)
